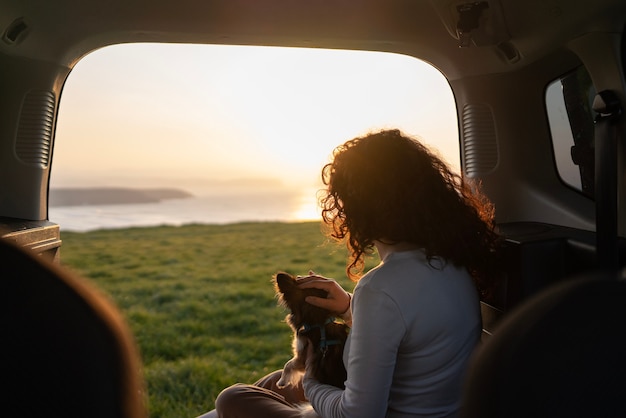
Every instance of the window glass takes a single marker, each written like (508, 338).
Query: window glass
(244, 130)
(569, 106)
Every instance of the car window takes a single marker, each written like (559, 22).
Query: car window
(248, 124)
(569, 107)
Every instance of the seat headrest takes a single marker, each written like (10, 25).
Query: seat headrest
(560, 354)
(66, 351)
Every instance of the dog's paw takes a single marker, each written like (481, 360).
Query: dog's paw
(282, 382)
(291, 378)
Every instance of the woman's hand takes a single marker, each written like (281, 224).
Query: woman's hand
(337, 299)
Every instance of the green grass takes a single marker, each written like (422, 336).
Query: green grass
(199, 299)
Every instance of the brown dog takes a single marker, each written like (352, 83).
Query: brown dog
(311, 325)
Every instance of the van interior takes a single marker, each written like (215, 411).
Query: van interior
(539, 88)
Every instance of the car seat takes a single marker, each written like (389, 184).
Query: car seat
(65, 350)
(562, 353)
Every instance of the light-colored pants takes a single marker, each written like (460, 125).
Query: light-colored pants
(263, 399)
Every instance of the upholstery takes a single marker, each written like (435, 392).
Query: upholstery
(562, 353)
(65, 350)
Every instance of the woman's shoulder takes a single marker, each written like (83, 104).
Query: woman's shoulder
(408, 270)
(419, 289)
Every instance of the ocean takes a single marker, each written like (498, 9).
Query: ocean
(210, 209)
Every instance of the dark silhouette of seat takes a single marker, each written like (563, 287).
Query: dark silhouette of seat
(65, 351)
(560, 354)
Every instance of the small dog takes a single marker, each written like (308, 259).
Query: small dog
(311, 325)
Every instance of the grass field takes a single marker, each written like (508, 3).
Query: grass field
(199, 299)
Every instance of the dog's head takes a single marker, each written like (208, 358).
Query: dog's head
(291, 296)
(315, 325)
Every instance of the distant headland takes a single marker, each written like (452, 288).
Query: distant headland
(112, 196)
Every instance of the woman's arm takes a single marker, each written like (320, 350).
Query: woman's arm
(374, 339)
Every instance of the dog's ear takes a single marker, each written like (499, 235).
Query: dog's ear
(284, 282)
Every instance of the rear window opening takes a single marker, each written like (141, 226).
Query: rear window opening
(243, 130)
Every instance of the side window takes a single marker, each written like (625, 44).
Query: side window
(569, 106)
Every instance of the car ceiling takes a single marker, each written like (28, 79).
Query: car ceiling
(514, 32)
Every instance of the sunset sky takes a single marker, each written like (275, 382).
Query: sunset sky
(194, 116)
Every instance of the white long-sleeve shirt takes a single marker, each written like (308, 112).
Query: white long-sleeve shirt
(414, 327)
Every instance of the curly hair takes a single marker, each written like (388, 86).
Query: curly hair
(388, 187)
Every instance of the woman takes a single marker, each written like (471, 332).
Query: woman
(415, 317)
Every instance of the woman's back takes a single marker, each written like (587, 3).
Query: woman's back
(415, 326)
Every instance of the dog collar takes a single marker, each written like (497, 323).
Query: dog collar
(324, 343)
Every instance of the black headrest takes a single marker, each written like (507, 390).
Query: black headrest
(560, 354)
(65, 351)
